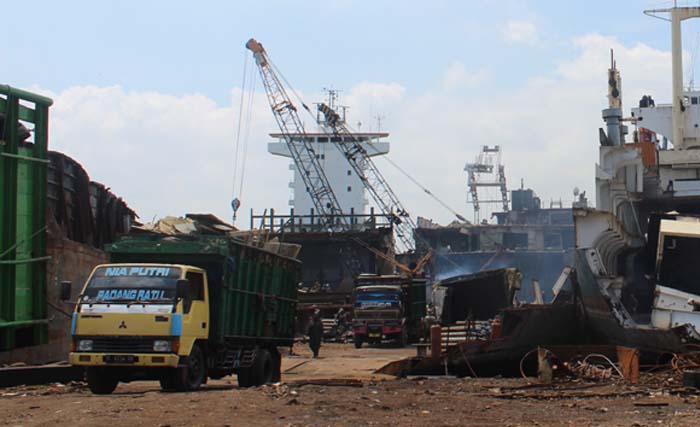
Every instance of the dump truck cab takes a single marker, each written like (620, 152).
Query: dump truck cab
(387, 307)
(145, 320)
(183, 308)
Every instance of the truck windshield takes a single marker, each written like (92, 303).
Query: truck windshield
(132, 283)
(377, 299)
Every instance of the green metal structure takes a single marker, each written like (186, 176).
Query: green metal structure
(23, 252)
(253, 293)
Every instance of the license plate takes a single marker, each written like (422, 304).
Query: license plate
(375, 335)
(120, 358)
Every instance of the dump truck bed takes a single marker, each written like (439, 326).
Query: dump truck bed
(252, 291)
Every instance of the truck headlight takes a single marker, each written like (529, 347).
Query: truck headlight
(162, 346)
(85, 345)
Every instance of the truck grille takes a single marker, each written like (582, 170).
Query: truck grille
(375, 314)
(122, 344)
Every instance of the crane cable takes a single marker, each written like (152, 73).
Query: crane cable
(242, 130)
(290, 87)
(238, 129)
(415, 181)
(247, 136)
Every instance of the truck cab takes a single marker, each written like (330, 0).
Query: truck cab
(142, 321)
(387, 308)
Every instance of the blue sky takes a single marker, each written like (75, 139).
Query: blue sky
(161, 79)
(181, 47)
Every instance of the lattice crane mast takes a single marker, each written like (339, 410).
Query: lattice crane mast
(372, 179)
(301, 150)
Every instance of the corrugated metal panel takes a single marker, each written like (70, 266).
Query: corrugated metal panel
(253, 292)
(23, 165)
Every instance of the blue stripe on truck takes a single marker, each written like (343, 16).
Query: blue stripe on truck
(72, 323)
(176, 325)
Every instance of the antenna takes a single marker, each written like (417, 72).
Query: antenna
(333, 95)
(379, 119)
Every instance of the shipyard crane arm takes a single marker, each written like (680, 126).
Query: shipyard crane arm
(301, 150)
(405, 269)
(372, 179)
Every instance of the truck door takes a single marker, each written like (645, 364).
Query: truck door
(195, 309)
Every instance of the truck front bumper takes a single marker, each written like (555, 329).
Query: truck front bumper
(107, 359)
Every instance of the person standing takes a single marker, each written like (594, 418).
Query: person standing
(315, 332)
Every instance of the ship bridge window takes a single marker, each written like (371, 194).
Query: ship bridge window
(553, 241)
(322, 139)
(515, 240)
(694, 100)
(336, 139)
(562, 218)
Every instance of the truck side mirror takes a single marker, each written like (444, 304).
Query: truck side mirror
(181, 288)
(66, 290)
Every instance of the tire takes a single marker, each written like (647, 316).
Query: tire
(262, 372)
(358, 343)
(276, 366)
(245, 377)
(167, 381)
(101, 381)
(189, 377)
(263, 369)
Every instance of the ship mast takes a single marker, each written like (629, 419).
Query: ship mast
(675, 16)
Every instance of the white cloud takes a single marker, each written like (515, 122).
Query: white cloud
(168, 154)
(458, 77)
(517, 31)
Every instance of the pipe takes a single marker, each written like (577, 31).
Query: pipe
(20, 323)
(23, 94)
(24, 261)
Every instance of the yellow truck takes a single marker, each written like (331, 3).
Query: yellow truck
(181, 310)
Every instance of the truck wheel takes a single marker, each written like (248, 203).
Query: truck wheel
(358, 342)
(189, 377)
(276, 366)
(245, 377)
(262, 371)
(167, 381)
(101, 381)
(263, 368)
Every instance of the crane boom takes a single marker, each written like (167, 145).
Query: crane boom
(301, 150)
(373, 180)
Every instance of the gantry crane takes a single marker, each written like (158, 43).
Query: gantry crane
(301, 150)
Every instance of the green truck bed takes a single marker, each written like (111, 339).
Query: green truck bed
(253, 293)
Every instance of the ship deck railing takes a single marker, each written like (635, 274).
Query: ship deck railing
(271, 221)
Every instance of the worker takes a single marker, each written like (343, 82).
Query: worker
(315, 332)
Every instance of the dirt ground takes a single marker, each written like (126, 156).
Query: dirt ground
(369, 400)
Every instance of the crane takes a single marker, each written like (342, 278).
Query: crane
(301, 150)
(372, 179)
(303, 153)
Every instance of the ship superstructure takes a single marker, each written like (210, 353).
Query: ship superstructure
(635, 258)
(659, 169)
(347, 185)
